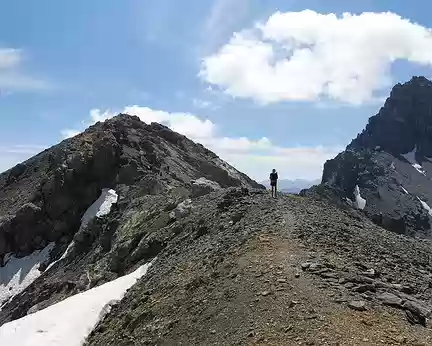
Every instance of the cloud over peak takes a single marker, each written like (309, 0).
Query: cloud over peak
(255, 157)
(307, 56)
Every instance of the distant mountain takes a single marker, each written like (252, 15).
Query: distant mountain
(293, 186)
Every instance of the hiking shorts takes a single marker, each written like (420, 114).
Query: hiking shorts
(273, 183)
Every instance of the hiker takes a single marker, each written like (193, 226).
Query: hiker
(273, 182)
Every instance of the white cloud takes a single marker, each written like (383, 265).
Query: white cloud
(12, 78)
(255, 157)
(307, 56)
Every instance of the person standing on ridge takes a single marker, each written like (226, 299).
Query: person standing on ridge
(273, 182)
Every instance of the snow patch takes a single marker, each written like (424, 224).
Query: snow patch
(69, 248)
(100, 207)
(19, 273)
(360, 202)
(69, 322)
(410, 157)
(404, 190)
(425, 206)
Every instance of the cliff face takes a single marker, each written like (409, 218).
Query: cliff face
(390, 162)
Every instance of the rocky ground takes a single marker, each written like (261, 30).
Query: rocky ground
(248, 269)
(230, 264)
(42, 200)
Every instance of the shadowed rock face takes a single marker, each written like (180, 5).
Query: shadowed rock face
(43, 199)
(391, 161)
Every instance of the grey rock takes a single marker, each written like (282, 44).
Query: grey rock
(358, 305)
(417, 311)
(390, 299)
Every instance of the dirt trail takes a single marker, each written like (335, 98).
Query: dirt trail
(249, 279)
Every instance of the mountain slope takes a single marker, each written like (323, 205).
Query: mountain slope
(388, 166)
(229, 264)
(253, 270)
(43, 200)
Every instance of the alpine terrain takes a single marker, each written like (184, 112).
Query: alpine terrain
(386, 171)
(131, 234)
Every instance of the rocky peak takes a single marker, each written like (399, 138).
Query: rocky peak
(404, 123)
(42, 199)
(389, 163)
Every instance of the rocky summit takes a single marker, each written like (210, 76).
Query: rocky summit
(131, 234)
(387, 170)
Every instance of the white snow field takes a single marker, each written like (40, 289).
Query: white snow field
(100, 207)
(425, 206)
(18, 273)
(69, 322)
(360, 202)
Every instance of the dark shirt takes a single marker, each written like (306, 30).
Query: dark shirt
(273, 176)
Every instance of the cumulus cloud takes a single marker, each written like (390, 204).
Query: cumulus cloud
(11, 77)
(254, 157)
(307, 56)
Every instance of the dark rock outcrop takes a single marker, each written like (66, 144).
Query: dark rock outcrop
(154, 172)
(389, 164)
(43, 199)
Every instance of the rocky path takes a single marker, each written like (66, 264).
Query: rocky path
(290, 271)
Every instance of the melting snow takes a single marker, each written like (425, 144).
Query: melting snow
(404, 190)
(360, 202)
(425, 206)
(69, 322)
(100, 207)
(18, 273)
(410, 157)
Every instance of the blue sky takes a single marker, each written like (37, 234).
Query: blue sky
(60, 60)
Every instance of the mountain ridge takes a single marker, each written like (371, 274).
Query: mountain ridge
(227, 264)
(388, 162)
